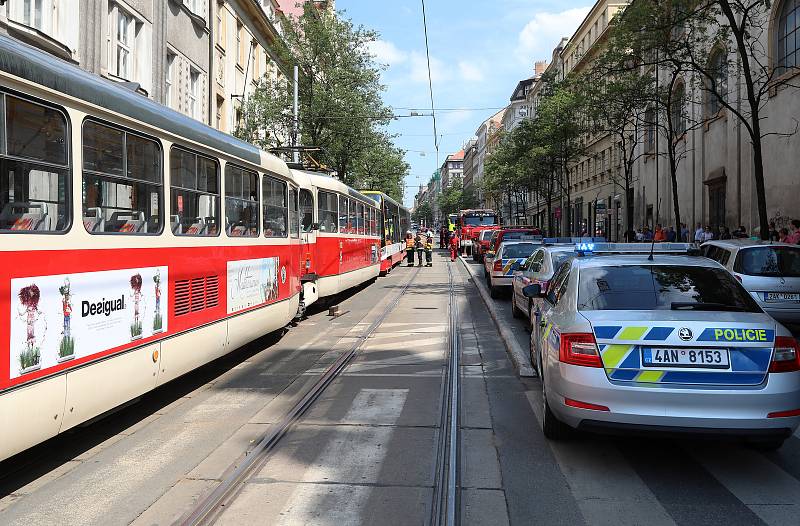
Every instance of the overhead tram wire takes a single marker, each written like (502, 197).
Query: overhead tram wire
(430, 82)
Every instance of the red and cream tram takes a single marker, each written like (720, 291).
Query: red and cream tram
(138, 244)
(395, 221)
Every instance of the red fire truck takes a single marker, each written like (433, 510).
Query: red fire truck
(472, 222)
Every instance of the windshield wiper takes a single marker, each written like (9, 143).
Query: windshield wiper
(692, 305)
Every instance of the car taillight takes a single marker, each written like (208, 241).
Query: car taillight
(498, 265)
(786, 357)
(579, 349)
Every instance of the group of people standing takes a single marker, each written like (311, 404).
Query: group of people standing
(706, 233)
(422, 245)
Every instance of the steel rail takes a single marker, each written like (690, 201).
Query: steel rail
(445, 505)
(210, 507)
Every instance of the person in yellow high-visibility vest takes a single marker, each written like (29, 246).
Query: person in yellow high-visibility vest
(410, 249)
(429, 250)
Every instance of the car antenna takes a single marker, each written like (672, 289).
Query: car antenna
(652, 247)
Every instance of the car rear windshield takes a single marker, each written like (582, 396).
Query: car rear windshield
(560, 257)
(774, 261)
(480, 220)
(511, 236)
(519, 250)
(661, 287)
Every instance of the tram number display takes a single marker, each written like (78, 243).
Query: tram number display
(58, 318)
(252, 282)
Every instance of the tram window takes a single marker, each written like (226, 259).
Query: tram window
(306, 210)
(194, 189)
(241, 202)
(360, 219)
(275, 207)
(294, 213)
(353, 217)
(343, 225)
(122, 181)
(34, 187)
(327, 212)
(371, 222)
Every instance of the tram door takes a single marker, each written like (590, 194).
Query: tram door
(308, 232)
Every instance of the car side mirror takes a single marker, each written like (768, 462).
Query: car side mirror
(533, 291)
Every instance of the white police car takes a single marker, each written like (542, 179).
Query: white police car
(668, 342)
(499, 268)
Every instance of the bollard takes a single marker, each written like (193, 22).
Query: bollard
(333, 311)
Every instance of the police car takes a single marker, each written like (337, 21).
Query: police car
(499, 267)
(538, 268)
(666, 341)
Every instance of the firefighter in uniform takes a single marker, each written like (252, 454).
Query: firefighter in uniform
(419, 244)
(454, 246)
(429, 250)
(409, 249)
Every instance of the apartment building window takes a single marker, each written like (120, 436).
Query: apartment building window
(221, 29)
(33, 13)
(788, 55)
(240, 44)
(123, 43)
(220, 112)
(649, 130)
(194, 92)
(677, 115)
(169, 79)
(718, 67)
(195, 6)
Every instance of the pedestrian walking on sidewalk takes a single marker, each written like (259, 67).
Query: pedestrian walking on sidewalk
(454, 246)
(429, 250)
(410, 249)
(419, 245)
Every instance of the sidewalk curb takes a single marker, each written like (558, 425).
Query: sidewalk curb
(518, 356)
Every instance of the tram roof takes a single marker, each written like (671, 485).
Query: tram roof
(29, 63)
(384, 197)
(327, 182)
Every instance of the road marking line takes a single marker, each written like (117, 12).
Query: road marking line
(608, 491)
(762, 486)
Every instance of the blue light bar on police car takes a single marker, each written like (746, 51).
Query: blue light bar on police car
(635, 248)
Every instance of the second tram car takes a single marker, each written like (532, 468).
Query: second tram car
(395, 221)
(138, 244)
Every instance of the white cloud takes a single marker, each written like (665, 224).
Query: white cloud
(470, 72)
(544, 31)
(386, 52)
(419, 69)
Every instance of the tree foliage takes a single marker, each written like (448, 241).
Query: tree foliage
(456, 197)
(341, 110)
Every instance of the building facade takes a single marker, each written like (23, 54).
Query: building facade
(452, 168)
(199, 57)
(715, 175)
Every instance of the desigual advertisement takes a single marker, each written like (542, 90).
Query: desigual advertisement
(59, 318)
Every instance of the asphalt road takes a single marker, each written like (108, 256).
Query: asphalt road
(364, 453)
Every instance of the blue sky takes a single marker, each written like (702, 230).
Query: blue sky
(479, 51)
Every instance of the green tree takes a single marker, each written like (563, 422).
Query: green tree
(381, 167)
(423, 214)
(341, 110)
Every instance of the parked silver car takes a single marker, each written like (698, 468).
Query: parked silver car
(769, 271)
(673, 343)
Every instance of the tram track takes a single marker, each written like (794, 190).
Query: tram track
(210, 507)
(445, 504)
